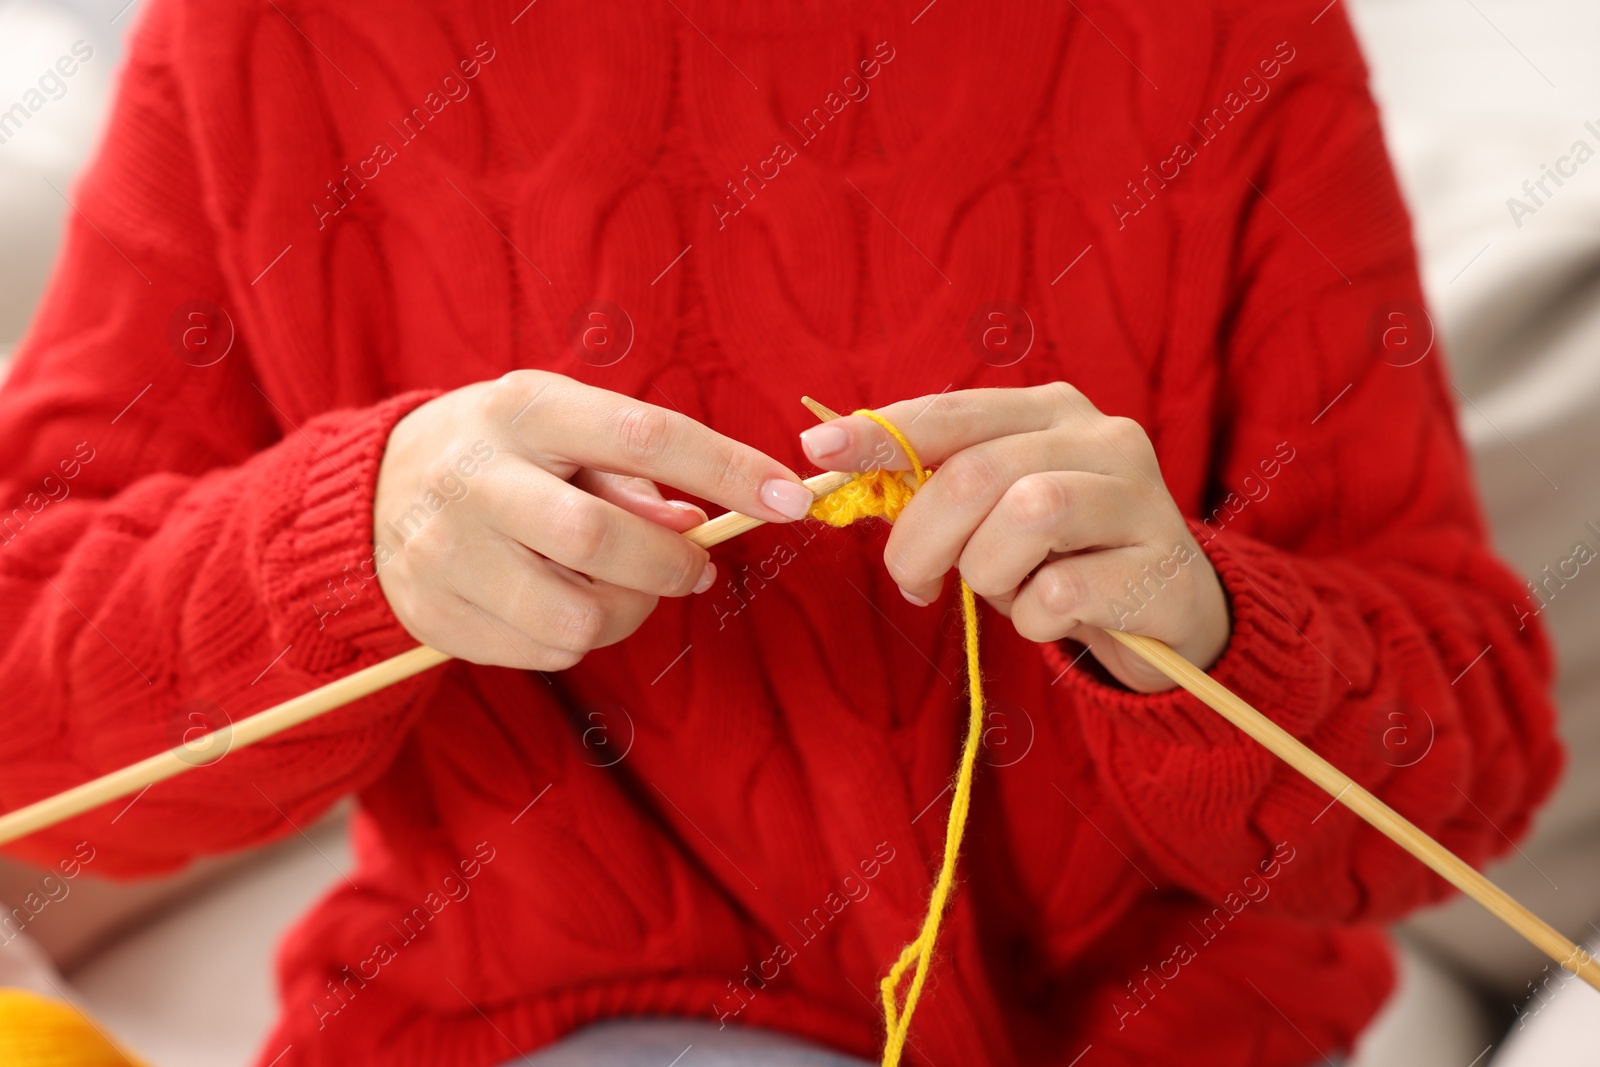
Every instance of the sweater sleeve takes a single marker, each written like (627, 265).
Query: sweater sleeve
(175, 553)
(1370, 617)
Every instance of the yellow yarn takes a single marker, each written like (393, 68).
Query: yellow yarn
(884, 494)
(875, 494)
(36, 1031)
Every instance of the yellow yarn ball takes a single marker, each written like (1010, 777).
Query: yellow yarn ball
(36, 1031)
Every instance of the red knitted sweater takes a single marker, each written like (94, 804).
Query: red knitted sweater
(1182, 207)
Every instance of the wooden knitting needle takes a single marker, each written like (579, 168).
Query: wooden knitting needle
(821, 411)
(1343, 789)
(727, 527)
(1376, 813)
(274, 720)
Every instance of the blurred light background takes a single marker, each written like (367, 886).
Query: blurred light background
(1478, 97)
(53, 142)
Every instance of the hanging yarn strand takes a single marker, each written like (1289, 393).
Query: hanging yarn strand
(843, 498)
(898, 1017)
(876, 486)
(884, 494)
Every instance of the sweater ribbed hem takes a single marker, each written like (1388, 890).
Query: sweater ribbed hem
(319, 571)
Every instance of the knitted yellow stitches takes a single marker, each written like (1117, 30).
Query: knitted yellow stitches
(36, 1032)
(875, 494)
(883, 494)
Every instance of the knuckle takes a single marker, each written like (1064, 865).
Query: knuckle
(644, 433)
(582, 528)
(425, 551)
(576, 624)
(969, 475)
(517, 392)
(1037, 500)
(732, 477)
(440, 469)
(1066, 396)
(1061, 589)
(1063, 389)
(1125, 433)
(954, 404)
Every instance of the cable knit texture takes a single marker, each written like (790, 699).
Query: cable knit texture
(642, 834)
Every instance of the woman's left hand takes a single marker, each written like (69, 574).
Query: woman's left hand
(1053, 512)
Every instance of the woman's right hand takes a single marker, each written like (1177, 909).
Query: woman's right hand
(516, 521)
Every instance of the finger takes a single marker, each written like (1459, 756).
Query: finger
(1044, 514)
(934, 528)
(498, 643)
(591, 536)
(639, 496)
(940, 426)
(1119, 662)
(554, 607)
(1111, 590)
(467, 631)
(571, 425)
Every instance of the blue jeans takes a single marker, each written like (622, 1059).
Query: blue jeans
(681, 1043)
(687, 1043)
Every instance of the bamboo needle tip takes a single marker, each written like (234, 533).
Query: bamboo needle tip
(822, 412)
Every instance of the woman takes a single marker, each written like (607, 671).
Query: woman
(384, 324)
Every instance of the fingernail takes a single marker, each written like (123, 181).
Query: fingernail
(790, 499)
(823, 441)
(707, 576)
(684, 505)
(913, 598)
